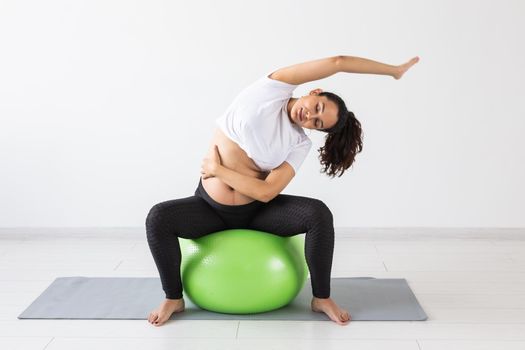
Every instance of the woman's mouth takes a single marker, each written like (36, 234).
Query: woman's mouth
(300, 115)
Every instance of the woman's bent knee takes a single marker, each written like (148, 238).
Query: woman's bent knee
(320, 211)
(154, 217)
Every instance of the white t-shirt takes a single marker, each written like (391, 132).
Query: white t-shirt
(257, 120)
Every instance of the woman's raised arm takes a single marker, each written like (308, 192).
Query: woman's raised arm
(318, 69)
(307, 71)
(352, 64)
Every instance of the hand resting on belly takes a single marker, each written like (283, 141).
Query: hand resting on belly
(235, 158)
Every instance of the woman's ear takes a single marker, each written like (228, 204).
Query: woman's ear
(316, 92)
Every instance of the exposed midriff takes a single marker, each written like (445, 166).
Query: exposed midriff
(235, 158)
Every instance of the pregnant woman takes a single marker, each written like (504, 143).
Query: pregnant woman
(257, 148)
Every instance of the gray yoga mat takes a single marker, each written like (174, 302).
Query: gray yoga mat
(366, 298)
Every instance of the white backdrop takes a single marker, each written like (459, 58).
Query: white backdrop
(108, 107)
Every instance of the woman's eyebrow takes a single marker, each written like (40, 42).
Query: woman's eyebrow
(322, 109)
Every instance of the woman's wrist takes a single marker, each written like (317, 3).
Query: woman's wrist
(218, 170)
(353, 64)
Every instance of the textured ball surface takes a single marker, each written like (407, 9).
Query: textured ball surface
(243, 271)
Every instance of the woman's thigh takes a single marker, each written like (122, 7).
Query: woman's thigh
(288, 215)
(189, 217)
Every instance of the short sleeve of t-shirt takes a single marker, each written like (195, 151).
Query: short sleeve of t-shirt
(298, 154)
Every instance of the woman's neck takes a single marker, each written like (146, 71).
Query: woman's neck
(289, 106)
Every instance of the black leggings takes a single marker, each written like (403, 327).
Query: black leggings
(199, 215)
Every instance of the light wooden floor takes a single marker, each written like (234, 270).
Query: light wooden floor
(471, 283)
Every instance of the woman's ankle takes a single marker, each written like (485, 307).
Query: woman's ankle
(174, 300)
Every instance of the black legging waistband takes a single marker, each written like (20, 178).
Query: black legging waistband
(241, 209)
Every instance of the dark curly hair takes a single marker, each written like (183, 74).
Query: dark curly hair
(343, 142)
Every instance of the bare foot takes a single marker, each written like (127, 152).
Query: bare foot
(401, 69)
(330, 308)
(163, 313)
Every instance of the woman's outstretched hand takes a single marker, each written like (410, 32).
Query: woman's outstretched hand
(209, 165)
(402, 68)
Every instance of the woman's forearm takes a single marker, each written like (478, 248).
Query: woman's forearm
(249, 186)
(352, 64)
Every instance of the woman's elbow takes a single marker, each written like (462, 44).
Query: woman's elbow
(267, 196)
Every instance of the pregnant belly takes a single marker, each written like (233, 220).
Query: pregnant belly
(235, 158)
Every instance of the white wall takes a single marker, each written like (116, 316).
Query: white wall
(107, 107)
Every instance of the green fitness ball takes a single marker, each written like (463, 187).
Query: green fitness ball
(243, 271)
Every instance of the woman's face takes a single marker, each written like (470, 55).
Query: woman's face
(314, 111)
